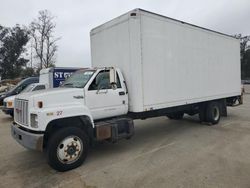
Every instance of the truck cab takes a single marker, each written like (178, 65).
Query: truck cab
(103, 97)
(79, 109)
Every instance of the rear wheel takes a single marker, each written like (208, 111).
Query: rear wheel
(213, 112)
(67, 148)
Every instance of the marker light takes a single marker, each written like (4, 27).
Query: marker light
(40, 104)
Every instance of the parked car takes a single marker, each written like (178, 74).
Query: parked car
(8, 102)
(18, 88)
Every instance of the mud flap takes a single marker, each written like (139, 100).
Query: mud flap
(223, 106)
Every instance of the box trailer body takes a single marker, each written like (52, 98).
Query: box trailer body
(166, 62)
(55, 76)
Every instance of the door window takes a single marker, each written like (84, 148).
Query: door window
(102, 81)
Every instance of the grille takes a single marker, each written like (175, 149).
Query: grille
(21, 111)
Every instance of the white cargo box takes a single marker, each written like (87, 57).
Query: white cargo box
(167, 62)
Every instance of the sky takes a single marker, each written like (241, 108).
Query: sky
(75, 19)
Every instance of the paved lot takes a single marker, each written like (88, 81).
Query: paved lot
(163, 153)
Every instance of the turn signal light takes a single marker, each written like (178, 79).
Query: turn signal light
(40, 104)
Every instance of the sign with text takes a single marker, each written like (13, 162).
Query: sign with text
(59, 75)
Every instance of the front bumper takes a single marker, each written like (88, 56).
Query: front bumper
(8, 111)
(27, 139)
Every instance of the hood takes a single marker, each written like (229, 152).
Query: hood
(54, 97)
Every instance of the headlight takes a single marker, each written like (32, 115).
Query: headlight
(10, 104)
(34, 120)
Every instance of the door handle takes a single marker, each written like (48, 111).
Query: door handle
(121, 93)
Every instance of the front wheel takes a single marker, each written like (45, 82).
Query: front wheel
(67, 148)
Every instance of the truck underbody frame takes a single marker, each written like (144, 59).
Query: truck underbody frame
(190, 109)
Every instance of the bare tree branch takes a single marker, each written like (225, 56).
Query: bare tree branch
(42, 30)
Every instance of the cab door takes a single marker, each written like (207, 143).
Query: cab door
(105, 101)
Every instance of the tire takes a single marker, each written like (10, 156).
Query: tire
(176, 116)
(67, 148)
(213, 113)
(202, 112)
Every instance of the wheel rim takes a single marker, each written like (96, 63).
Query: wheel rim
(70, 149)
(216, 113)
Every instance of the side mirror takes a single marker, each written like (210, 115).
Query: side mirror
(112, 78)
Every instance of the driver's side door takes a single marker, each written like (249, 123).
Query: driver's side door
(104, 101)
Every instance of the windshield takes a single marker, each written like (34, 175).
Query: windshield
(79, 79)
(28, 88)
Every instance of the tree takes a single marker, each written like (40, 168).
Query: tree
(44, 42)
(12, 47)
(245, 64)
(3, 32)
(245, 56)
(28, 72)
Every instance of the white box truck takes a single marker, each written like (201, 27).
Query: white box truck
(144, 65)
